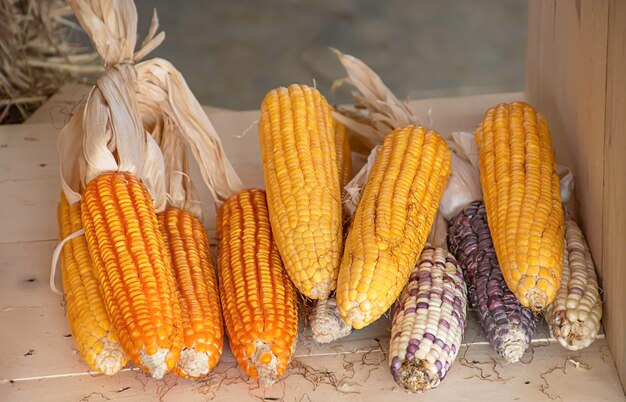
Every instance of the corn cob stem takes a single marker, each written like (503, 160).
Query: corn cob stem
(574, 317)
(258, 299)
(326, 323)
(508, 325)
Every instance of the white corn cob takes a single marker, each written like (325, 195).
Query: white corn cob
(574, 316)
(326, 323)
(428, 321)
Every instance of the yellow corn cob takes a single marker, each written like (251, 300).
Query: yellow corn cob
(194, 274)
(574, 316)
(133, 269)
(391, 223)
(258, 299)
(521, 190)
(91, 329)
(344, 157)
(300, 166)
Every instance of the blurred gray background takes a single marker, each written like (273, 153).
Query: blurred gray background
(233, 51)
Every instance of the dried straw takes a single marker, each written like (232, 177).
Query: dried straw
(39, 52)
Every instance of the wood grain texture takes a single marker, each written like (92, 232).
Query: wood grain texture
(566, 81)
(614, 221)
(575, 66)
(359, 376)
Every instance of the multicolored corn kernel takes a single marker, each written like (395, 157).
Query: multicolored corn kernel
(428, 322)
(508, 325)
(574, 316)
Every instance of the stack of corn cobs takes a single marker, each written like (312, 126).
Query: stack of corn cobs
(138, 275)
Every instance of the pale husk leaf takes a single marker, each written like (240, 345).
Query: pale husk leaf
(115, 140)
(437, 237)
(178, 102)
(377, 111)
(567, 183)
(353, 190)
(69, 146)
(463, 186)
(111, 26)
(114, 136)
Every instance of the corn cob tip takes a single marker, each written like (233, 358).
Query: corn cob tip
(355, 317)
(515, 344)
(193, 363)
(572, 335)
(326, 323)
(537, 300)
(415, 376)
(265, 363)
(155, 364)
(110, 360)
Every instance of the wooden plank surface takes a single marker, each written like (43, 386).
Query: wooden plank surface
(39, 362)
(553, 374)
(614, 221)
(575, 75)
(566, 80)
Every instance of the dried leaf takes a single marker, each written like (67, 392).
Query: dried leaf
(377, 111)
(463, 186)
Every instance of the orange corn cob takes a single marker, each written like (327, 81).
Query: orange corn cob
(258, 299)
(90, 326)
(300, 167)
(391, 223)
(523, 201)
(196, 284)
(132, 266)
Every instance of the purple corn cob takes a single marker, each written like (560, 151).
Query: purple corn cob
(508, 325)
(428, 321)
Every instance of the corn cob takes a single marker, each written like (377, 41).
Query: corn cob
(508, 325)
(522, 198)
(344, 157)
(428, 321)
(574, 316)
(90, 326)
(258, 299)
(302, 183)
(188, 249)
(391, 223)
(131, 263)
(194, 274)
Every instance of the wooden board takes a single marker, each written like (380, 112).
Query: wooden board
(39, 362)
(575, 75)
(614, 220)
(552, 374)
